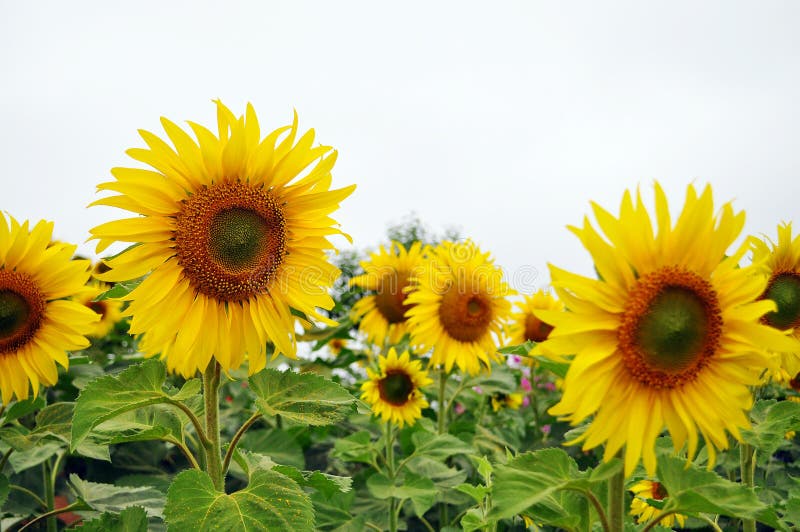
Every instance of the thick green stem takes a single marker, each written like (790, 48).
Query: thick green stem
(235, 441)
(392, 475)
(442, 401)
(616, 502)
(747, 460)
(213, 447)
(49, 495)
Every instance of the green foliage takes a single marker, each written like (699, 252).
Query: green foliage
(133, 519)
(271, 501)
(4, 489)
(771, 421)
(114, 499)
(420, 490)
(301, 397)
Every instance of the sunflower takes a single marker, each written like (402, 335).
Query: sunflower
(502, 400)
(459, 307)
(644, 513)
(782, 263)
(336, 345)
(390, 273)
(394, 392)
(525, 326)
(37, 326)
(231, 231)
(669, 334)
(110, 310)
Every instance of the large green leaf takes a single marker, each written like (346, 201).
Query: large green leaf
(271, 501)
(420, 490)
(771, 421)
(357, 447)
(301, 397)
(438, 446)
(277, 444)
(22, 408)
(693, 490)
(133, 519)
(113, 395)
(251, 462)
(114, 499)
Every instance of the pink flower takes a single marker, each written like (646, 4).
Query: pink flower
(459, 409)
(525, 384)
(526, 401)
(549, 386)
(477, 389)
(546, 429)
(516, 359)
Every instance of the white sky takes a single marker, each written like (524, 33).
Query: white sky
(501, 118)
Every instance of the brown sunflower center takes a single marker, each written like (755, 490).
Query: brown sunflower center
(659, 491)
(100, 307)
(390, 297)
(231, 240)
(22, 308)
(396, 387)
(670, 328)
(536, 330)
(784, 290)
(465, 314)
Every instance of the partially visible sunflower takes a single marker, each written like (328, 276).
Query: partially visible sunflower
(390, 273)
(336, 345)
(524, 325)
(459, 308)
(37, 325)
(110, 310)
(668, 336)
(232, 229)
(510, 400)
(644, 513)
(394, 392)
(781, 261)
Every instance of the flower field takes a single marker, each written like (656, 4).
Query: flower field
(233, 369)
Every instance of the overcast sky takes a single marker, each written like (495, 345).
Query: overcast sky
(501, 118)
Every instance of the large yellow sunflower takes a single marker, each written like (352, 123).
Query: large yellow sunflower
(668, 336)
(781, 261)
(110, 310)
(644, 513)
(382, 316)
(37, 326)
(459, 308)
(232, 230)
(394, 392)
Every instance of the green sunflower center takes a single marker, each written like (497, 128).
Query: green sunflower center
(231, 239)
(784, 290)
(14, 313)
(396, 387)
(536, 330)
(465, 315)
(673, 331)
(22, 309)
(390, 297)
(670, 328)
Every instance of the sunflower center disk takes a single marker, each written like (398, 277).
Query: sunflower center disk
(21, 310)
(465, 315)
(784, 290)
(99, 307)
(396, 387)
(659, 491)
(536, 330)
(390, 298)
(670, 328)
(230, 240)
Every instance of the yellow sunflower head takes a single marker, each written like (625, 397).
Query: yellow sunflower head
(512, 401)
(394, 392)
(390, 274)
(110, 310)
(670, 335)
(231, 229)
(781, 262)
(336, 345)
(37, 325)
(459, 308)
(644, 513)
(525, 326)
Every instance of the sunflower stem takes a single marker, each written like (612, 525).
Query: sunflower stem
(443, 517)
(748, 465)
(616, 502)
(213, 447)
(49, 495)
(392, 475)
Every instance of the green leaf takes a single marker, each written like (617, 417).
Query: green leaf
(322, 482)
(483, 466)
(693, 490)
(114, 499)
(438, 446)
(22, 460)
(557, 368)
(277, 445)
(771, 421)
(420, 490)
(473, 520)
(4, 489)
(440, 473)
(301, 397)
(22, 408)
(113, 395)
(155, 422)
(133, 519)
(357, 447)
(519, 350)
(120, 289)
(271, 501)
(478, 493)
